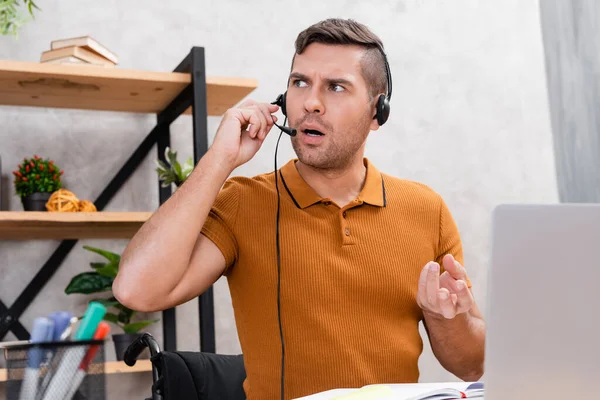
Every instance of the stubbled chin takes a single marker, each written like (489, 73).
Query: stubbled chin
(314, 156)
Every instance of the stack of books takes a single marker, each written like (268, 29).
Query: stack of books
(82, 50)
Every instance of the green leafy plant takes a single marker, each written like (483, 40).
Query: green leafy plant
(35, 175)
(100, 280)
(171, 171)
(11, 18)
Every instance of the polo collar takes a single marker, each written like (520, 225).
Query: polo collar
(373, 191)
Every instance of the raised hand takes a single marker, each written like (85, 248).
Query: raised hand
(242, 131)
(446, 294)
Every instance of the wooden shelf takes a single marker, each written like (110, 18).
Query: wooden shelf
(109, 89)
(119, 367)
(28, 225)
(110, 367)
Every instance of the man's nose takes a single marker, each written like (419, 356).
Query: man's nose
(313, 103)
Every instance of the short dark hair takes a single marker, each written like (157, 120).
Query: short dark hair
(338, 31)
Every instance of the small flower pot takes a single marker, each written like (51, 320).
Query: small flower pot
(122, 341)
(35, 201)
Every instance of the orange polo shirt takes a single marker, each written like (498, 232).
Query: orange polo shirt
(349, 278)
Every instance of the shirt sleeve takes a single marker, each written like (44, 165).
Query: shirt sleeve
(449, 238)
(220, 223)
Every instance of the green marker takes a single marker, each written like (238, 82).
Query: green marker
(89, 323)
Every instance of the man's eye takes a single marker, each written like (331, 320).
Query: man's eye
(299, 83)
(337, 88)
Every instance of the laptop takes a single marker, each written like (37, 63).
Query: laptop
(543, 303)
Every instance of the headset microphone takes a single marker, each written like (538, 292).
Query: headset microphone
(288, 130)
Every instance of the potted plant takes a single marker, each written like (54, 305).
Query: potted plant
(35, 180)
(10, 16)
(171, 171)
(100, 280)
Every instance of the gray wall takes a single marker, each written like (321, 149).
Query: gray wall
(570, 32)
(469, 118)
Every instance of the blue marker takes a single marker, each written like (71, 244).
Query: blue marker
(62, 327)
(43, 329)
(62, 321)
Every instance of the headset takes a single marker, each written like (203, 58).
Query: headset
(382, 114)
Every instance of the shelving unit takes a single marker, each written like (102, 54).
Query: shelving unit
(110, 367)
(186, 90)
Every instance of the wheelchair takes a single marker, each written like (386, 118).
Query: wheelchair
(185, 375)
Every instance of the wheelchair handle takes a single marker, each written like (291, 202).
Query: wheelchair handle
(136, 348)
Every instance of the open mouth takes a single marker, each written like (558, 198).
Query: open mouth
(313, 132)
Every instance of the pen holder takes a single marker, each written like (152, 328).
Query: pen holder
(58, 370)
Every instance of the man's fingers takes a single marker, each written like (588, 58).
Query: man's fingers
(433, 284)
(263, 123)
(252, 117)
(247, 103)
(454, 298)
(453, 267)
(264, 109)
(464, 298)
(422, 292)
(447, 307)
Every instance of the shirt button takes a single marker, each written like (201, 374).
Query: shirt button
(347, 232)
(344, 214)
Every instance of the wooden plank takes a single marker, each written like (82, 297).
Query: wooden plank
(28, 225)
(119, 367)
(109, 89)
(110, 367)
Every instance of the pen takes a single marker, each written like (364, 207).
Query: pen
(101, 333)
(67, 333)
(72, 357)
(41, 332)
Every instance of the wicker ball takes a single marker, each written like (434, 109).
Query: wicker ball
(63, 201)
(86, 206)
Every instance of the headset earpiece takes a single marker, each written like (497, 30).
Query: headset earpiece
(383, 109)
(280, 101)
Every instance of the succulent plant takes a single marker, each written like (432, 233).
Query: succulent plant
(171, 171)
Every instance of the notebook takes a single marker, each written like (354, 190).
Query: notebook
(409, 391)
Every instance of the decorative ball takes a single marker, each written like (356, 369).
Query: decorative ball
(86, 206)
(63, 200)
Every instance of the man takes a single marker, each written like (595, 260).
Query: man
(360, 251)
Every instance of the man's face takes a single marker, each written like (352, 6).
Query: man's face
(328, 103)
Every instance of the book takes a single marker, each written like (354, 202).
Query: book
(76, 52)
(75, 61)
(66, 60)
(408, 391)
(88, 43)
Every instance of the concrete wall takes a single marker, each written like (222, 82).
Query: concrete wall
(570, 32)
(469, 118)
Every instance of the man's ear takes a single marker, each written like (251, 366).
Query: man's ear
(374, 124)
